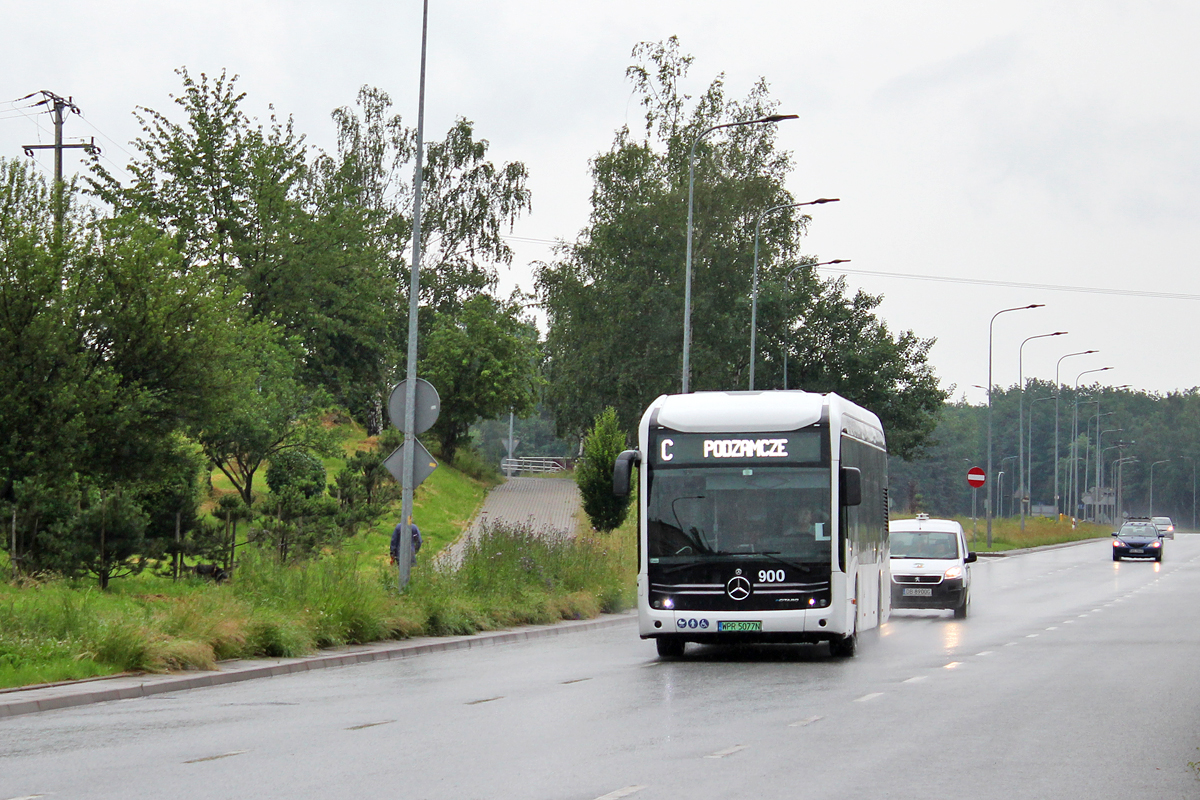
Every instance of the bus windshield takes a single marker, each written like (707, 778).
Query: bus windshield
(703, 512)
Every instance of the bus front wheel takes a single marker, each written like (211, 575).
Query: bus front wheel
(669, 646)
(843, 646)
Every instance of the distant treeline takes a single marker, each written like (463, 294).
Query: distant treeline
(1142, 427)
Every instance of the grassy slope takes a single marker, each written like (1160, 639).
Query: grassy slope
(1007, 535)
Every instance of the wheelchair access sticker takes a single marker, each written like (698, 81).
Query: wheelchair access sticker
(691, 623)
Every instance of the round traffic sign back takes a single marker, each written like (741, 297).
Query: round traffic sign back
(975, 477)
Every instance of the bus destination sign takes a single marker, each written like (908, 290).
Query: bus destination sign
(723, 449)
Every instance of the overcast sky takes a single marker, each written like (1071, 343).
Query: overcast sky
(1031, 142)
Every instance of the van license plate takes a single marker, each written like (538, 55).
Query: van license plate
(922, 592)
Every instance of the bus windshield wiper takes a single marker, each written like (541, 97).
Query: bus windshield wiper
(774, 556)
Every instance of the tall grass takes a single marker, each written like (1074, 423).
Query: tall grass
(1039, 531)
(60, 630)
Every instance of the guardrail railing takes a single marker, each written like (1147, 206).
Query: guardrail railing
(533, 464)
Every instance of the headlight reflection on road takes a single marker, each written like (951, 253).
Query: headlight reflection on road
(951, 636)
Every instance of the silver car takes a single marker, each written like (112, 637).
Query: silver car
(1166, 528)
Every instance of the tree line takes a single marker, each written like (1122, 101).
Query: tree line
(1140, 426)
(238, 292)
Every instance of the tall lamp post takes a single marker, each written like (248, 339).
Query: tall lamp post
(1152, 465)
(1087, 453)
(988, 495)
(1058, 391)
(754, 289)
(786, 347)
(1022, 491)
(1001, 500)
(687, 285)
(1075, 437)
(1189, 458)
(1029, 440)
(1100, 448)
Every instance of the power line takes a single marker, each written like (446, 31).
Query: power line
(1017, 285)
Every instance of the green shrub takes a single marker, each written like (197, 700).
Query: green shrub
(298, 470)
(594, 472)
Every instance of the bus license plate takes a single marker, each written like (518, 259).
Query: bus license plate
(739, 625)
(922, 592)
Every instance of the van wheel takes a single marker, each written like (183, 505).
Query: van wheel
(669, 646)
(961, 611)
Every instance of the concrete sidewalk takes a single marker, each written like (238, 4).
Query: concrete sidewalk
(549, 506)
(33, 699)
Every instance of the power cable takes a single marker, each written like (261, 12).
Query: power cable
(1016, 284)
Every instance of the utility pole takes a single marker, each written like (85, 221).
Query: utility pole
(56, 106)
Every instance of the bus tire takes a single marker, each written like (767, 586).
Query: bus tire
(669, 646)
(843, 646)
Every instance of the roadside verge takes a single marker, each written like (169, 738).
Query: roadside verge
(34, 699)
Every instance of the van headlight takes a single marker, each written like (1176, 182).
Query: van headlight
(954, 572)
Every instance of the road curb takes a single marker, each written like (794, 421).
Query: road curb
(1022, 551)
(124, 687)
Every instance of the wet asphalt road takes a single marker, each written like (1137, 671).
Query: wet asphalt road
(1074, 677)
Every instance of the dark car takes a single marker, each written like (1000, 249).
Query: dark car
(1138, 540)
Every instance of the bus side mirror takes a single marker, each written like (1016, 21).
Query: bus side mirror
(850, 486)
(623, 471)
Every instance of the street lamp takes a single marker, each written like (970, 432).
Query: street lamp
(753, 312)
(988, 497)
(1087, 454)
(1189, 458)
(1075, 437)
(1022, 492)
(1057, 389)
(1152, 465)
(1119, 466)
(754, 289)
(1001, 500)
(1100, 448)
(1029, 439)
(687, 285)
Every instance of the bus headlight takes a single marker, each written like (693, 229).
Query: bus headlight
(668, 603)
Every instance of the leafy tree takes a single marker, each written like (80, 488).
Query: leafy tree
(267, 411)
(296, 469)
(483, 362)
(614, 298)
(594, 473)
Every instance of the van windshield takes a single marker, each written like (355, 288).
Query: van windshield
(924, 544)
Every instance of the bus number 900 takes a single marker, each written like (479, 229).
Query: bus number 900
(771, 576)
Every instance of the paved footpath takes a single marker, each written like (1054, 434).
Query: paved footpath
(549, 506)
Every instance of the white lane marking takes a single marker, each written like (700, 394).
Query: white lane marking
(867, 697)
(1068, 622)
(806, 721)
(1052, 628)
(628, 790)
(984, 653)
(1009, 644)
(1081, 616)
(915, 679)
(728, 751)
(952, 665)
(27, 797)
(214, 758)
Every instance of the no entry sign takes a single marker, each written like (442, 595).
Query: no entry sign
(975, 477)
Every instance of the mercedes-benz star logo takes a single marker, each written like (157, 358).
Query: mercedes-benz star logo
(738, 588)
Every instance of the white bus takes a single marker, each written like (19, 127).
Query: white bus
(762, 517)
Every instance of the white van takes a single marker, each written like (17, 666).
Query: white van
(930, 564)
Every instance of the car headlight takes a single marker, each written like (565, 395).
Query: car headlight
(1155, 544)
(1119, 543)
(954, 572)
